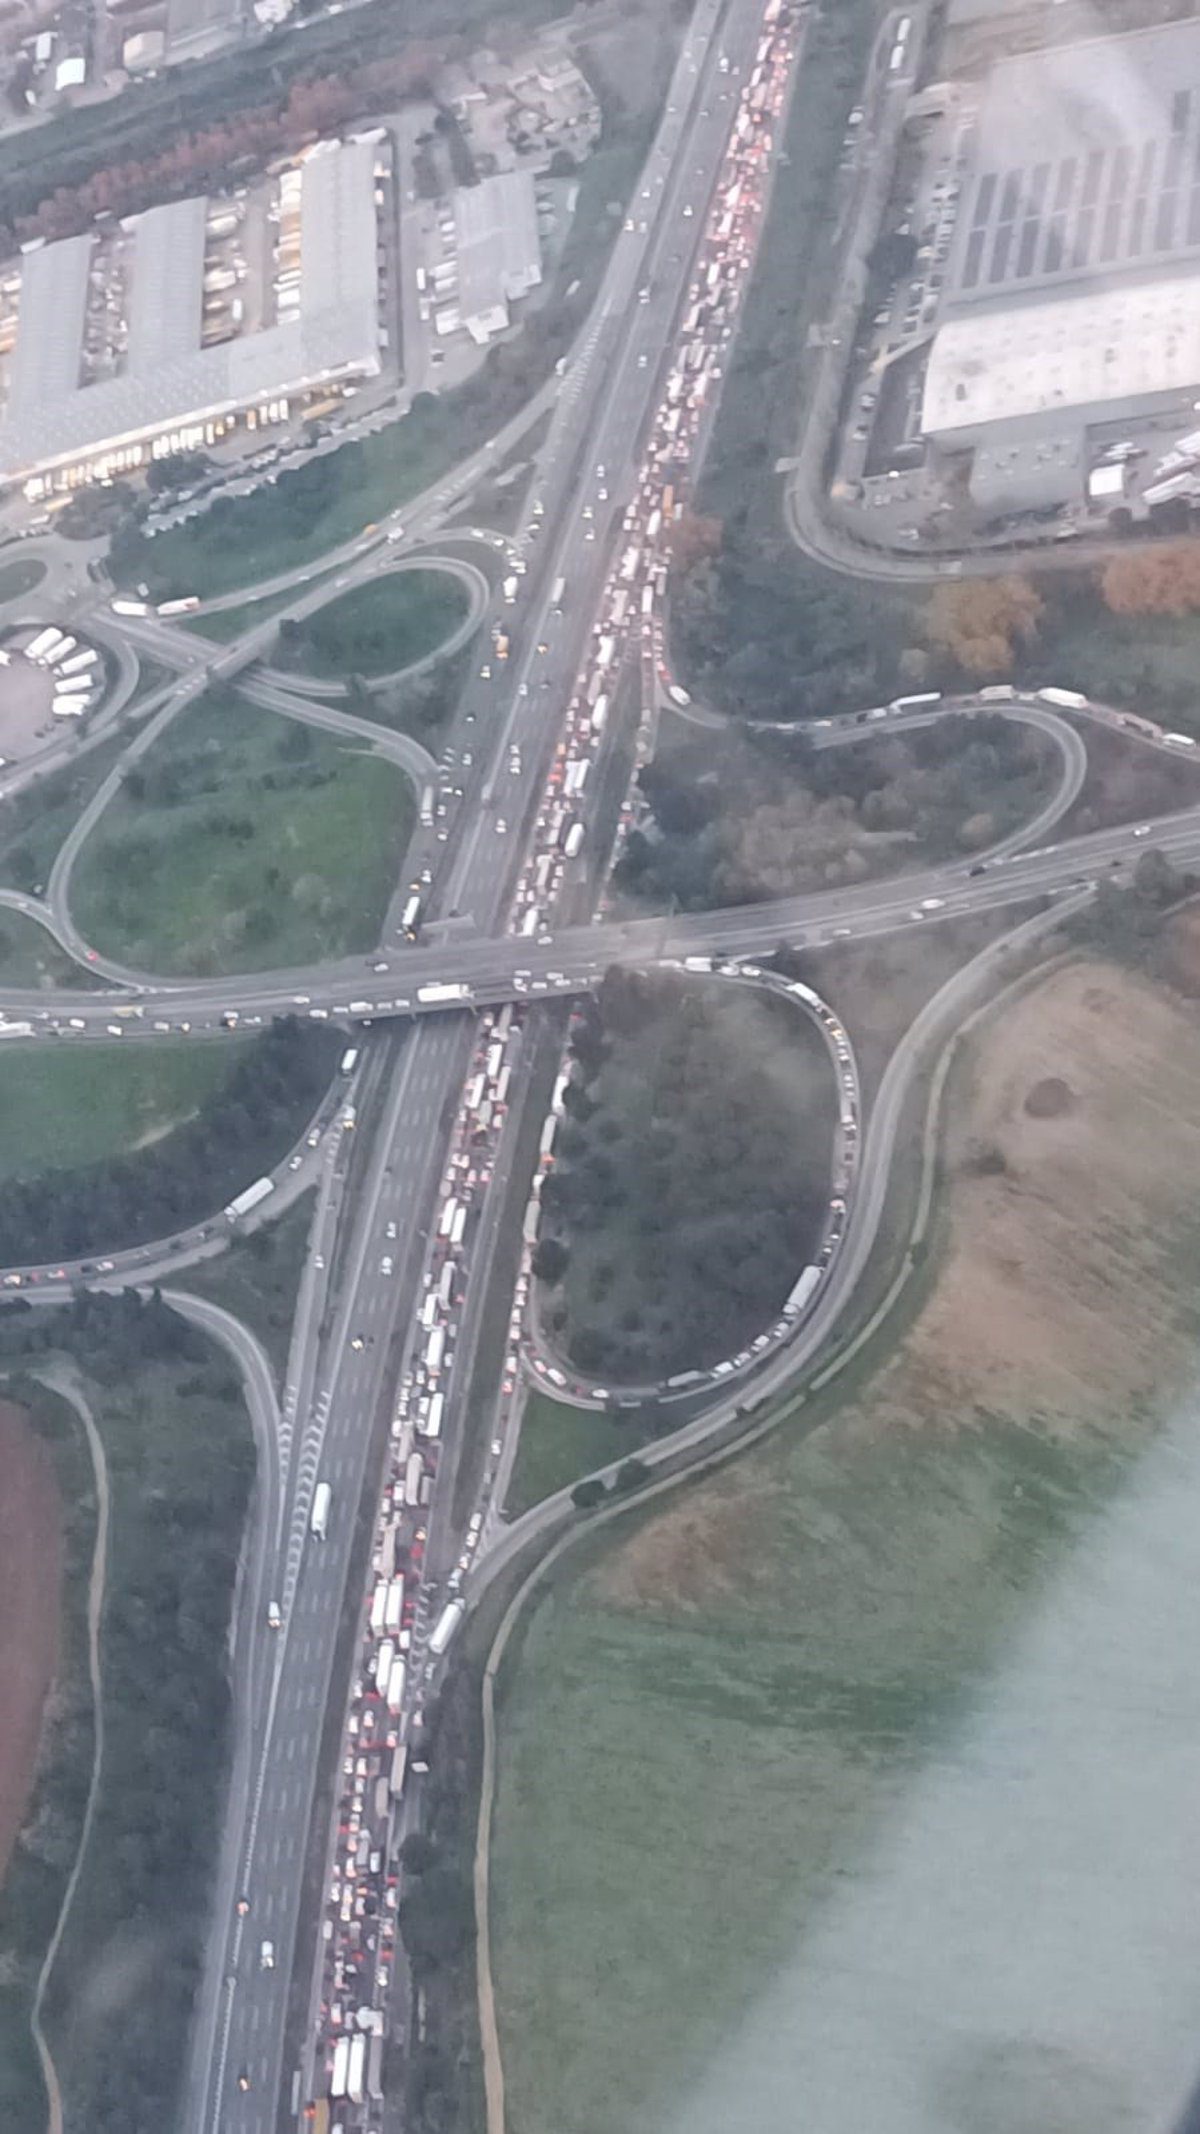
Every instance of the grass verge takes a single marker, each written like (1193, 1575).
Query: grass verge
(34, 823)
(389, 623)
(560, 1443)
(244, 842)
(110, 1147)
(68, 1106)
(258, 1279)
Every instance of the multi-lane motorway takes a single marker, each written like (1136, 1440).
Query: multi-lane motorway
(590, 447)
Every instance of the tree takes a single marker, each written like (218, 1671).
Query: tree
(981, 622)
(632, 1473)
(550, 1259)
(436, 1918)
(588, 1492)
(1153, 581)
(694, 539)
(417, 1853)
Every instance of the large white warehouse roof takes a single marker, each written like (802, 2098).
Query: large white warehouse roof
(1068, 352)
(169, 378)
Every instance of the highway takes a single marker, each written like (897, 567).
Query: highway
(603, 404)
(498, 968)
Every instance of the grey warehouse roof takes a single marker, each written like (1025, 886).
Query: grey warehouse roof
(496, 237)
(169, 378)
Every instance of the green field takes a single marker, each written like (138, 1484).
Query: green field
(684, 1783)
(249, 842)
(70, 1105)
(378, 628)
(19, 577)
(31, 956)
(559, 1444)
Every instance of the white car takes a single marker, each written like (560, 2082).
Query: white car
(385, 1264)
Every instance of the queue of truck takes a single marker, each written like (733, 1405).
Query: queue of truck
(404, 1633)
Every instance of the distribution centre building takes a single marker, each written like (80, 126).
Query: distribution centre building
(1073, 286)
(55, 416)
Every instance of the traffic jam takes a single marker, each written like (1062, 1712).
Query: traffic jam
(401, 1647)
(629, 619)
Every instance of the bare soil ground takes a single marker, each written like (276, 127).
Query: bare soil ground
(26, 694)
(1053, 1225)
(30, 1583)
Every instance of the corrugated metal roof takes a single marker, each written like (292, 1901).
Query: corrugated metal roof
(169, 378)
(1075, 350)
(496, 236)
(167, 295)
(46, 360)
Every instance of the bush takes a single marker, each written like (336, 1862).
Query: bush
(591, 1491)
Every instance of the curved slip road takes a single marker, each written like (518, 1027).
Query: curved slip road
(66, 1385)
(479, 593)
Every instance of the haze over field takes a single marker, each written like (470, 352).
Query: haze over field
(1023, 1948)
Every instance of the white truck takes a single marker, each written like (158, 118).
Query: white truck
(356, 2073)
(341, 2067)
(442, 994)
(445, 1627)
(252, 1197)
(318, 1522)
(1067, 699)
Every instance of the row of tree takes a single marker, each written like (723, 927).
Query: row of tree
(201, 160)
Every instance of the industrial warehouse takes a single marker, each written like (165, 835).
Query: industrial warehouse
(156, 333)
(1072, 295)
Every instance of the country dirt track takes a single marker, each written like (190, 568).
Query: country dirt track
(30, 1587)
